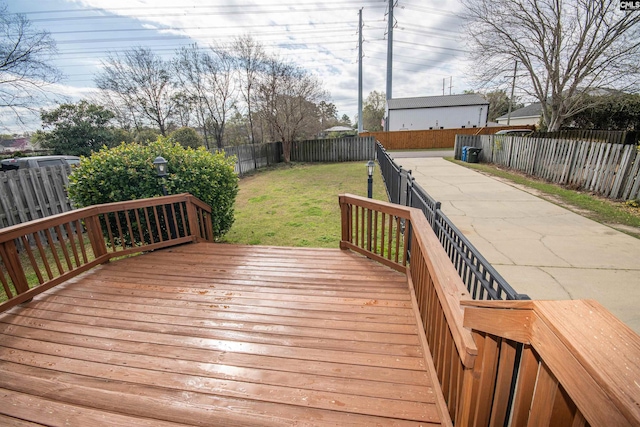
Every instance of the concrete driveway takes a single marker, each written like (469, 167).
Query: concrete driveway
(541, 249)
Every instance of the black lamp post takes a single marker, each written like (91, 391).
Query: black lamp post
(161, 172)
(370, 166)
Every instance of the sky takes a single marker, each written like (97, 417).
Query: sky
(322, 37)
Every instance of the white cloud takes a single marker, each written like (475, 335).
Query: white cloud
(319, 36)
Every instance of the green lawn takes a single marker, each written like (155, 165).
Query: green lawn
(297, 204)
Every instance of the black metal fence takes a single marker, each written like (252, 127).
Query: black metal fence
(481, 279)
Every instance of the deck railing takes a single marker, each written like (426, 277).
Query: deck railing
(40, 254)
(541, 363)
(479, 276)
(385, 232)
(579, 366)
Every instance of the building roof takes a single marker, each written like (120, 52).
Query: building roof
(531, 110)
(339, 129)
(436, 101)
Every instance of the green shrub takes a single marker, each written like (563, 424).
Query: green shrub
(126, 172)
(187, 137)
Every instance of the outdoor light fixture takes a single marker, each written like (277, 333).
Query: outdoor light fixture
(370, 166)
(161, 172)
(161, 167)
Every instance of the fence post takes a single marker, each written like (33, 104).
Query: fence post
(410, 180)
(404, 178)
(434, 219)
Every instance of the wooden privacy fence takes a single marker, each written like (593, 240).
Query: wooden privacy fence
(33, 193)
(611, 170)
(71, 243)
(536, 363)
(334, 150)
(251, 157)
(435, 138)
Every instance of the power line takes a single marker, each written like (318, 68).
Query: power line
(216, 13)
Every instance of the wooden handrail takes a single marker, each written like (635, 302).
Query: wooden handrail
(40, 254)
(371, 228)
(579, 363)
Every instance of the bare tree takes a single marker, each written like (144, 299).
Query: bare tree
(140, 80)
(249, 57)
(207, 77)
(287, 100)
(567, 48)
(25, 64)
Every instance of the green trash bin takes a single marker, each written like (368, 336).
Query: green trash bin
(472, 154)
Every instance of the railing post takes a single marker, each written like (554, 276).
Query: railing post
(434, 219)
(345, 214)
(192, 216)
(95, 236)
(12, 263)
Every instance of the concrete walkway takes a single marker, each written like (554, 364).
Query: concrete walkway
(541, 249)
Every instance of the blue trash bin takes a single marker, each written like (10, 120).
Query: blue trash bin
(465, 150)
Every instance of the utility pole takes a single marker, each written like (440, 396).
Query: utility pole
(513, 86)
(389, 56)
(443, 80)
(360, 71)
(450, 84)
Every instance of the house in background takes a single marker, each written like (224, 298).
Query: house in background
(437, 112)
(529, 115)
(15, 144)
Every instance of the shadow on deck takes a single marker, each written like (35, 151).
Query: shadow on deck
(209, 334)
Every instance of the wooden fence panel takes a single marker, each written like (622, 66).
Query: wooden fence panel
(334, 150)
(611, 170)
(28, 194)
(432, 138)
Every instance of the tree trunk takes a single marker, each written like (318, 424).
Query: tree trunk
(286, 151)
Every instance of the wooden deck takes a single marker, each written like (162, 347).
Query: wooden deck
(210, 334)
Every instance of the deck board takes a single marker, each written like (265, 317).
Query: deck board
(209, 334)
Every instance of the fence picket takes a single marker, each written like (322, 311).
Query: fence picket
(629, 154)
(609, 169)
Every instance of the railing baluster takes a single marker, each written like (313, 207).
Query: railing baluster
(80, 237)
(390, 237)
(54, 251)
(119, 228)
(137, 216)
(5, 284)
(43, 256)
(72, 243)
(156, 216)
(375, 232)
(175, 221)
(148, 225)
(63, 246)
(382, 229)
(32, 259)
(129, 229)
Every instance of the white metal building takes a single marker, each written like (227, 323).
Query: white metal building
(437, 112)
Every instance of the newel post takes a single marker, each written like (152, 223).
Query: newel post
(92, 224)
(345, 214)
(12, 263)
(192, 216)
